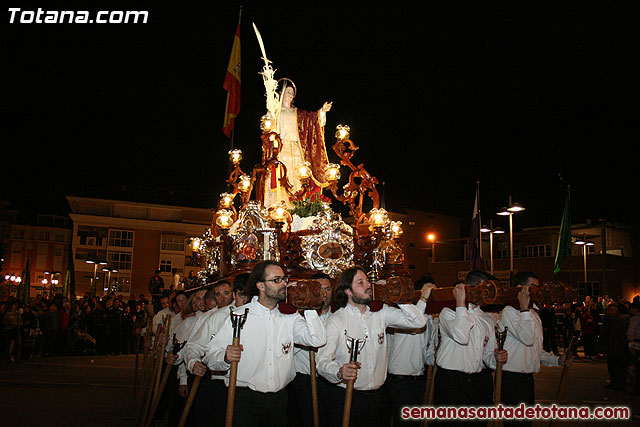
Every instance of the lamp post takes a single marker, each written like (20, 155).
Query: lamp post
(95, 262)
(491, 232)
(109, 270)
(513, 208)
(584, 243)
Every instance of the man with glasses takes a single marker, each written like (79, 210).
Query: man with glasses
(265, 352)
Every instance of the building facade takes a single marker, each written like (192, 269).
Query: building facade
(129, 241)
(611, 266)
(44, 240)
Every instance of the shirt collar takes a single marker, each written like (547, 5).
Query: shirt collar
(260, 309)
(355, 310)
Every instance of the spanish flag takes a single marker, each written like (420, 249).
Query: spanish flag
(232, 85)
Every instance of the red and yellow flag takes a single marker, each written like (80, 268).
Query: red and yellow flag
(232, 86)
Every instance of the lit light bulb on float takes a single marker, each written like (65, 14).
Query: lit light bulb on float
(244, 184)
(304, 170)
(235, 156)
(333, 172)
(224, 220)
(226, 200)
(342, 132)
(396, 229)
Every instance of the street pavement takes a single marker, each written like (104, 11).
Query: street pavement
(98, 391)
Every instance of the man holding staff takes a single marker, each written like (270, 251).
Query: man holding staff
(354, 320)
(265, 353)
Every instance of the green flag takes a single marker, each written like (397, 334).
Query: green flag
(26, 283)
(564, 242)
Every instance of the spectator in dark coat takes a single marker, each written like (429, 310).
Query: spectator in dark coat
(613, 342)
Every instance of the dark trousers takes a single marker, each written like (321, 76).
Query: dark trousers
(368, 408)
(252, 408)
(617, 372)
(303, 402)
(517, 388)
(455, 388)
(405, 390)
(210, 403)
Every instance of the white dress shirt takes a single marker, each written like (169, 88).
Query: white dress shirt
(409, 352)
(301, 354)
(195, 349)
(467, 340)
(159, 317)
(373, 355)
(268, 336)
(524, 341)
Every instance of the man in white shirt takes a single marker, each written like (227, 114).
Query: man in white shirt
(210, 402)
(467, 352)
(265, 352)
(302, 381)
(354, 319)
(409, 351)
(524, 345)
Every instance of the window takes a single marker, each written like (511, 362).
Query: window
(121, 238)
(18, 233)
(91, 236)
(537, 251)
(120, 283)
(84, 254)
(172, 243)
(165, 265)
(119, 260)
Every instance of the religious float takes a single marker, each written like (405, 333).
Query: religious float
(282, 210)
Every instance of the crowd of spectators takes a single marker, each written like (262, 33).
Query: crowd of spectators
(606, 330)
(56, 326)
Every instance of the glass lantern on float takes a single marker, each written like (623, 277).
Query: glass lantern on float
(224, 220)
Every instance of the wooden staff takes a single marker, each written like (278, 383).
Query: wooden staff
(348, 395)
(177, 346)
(160, 355)
(190, 399)
(565, 372)
(146, 344)
(431, 376)
(156, 368)
(237, 320)
(500, 337)
(314, 387)
(136, 348)
(146, 379)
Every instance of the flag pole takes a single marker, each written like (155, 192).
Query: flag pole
(479, 219)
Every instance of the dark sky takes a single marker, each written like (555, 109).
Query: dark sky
(525, 97)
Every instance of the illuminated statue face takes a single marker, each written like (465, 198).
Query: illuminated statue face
(287, 97)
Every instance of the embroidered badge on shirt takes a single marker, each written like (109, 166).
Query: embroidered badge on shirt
(286, 347)
(381, 338)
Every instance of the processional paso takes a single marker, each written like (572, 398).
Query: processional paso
(281, 211)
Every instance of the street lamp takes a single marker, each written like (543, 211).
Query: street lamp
(513, 208)
(109, 270)
(584, 243)
(431, 237)
(491, 232)
(95, 262)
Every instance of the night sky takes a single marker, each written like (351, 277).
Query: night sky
(524, 97)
